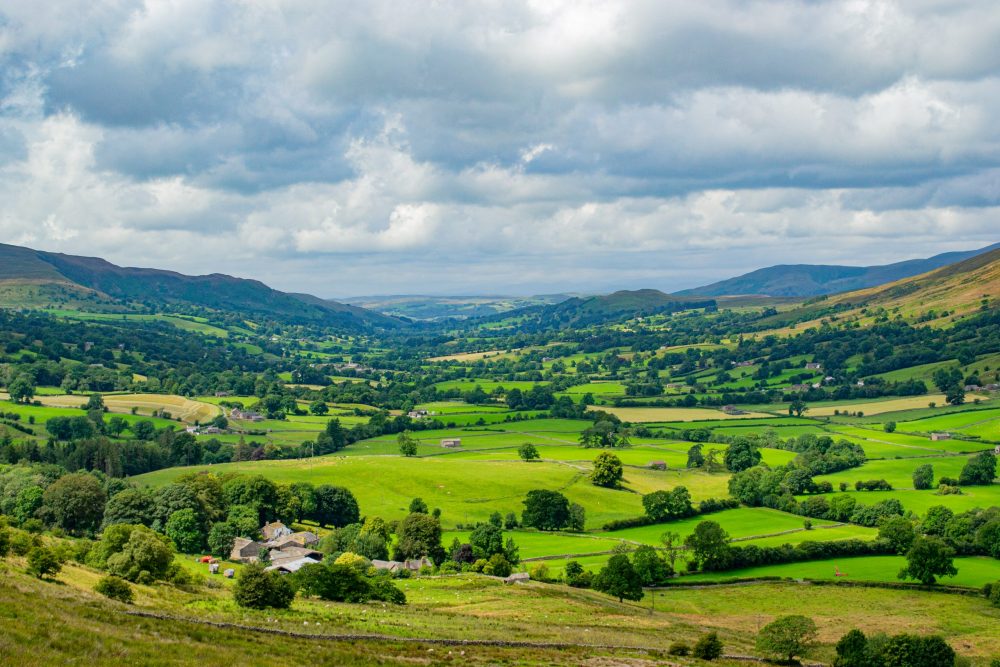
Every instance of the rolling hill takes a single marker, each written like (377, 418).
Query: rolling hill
(38, 279)
(805, 280)
(592, 310)
(425, 307)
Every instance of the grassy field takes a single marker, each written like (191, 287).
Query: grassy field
(65, 623)
(972, 571)
(880, 407)
(179, 407)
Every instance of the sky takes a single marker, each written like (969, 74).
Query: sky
(498, 146)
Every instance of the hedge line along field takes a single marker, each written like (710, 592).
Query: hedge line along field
(640, 415)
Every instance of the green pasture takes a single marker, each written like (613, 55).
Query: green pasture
(972, 571)
(487, 385)
(898, 472)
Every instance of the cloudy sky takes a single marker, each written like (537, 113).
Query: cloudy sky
(507, 146)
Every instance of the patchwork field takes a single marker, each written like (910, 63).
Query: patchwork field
(179, 407)
(677, 414)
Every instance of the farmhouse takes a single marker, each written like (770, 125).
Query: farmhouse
(742, 364)
(417, 414)
(814, 366)
(940, 436)
(289, 566)
(301, 539)
(246, 415)
(451, 442)
(274, 530)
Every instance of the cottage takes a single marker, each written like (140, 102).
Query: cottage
(940, 436)
(212, 430)
(518, 578)
(451, 442)
(275, 529)
(244, 550)
(417, 414)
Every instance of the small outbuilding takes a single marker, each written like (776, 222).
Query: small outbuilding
(451, 442)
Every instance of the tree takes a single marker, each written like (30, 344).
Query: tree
(927, 559)
(898, 531)
(619, 579)
(21, 389)
(708, 647)
(334, 582)
(577, 518)
(528, 452)
(418, 505)
(545, 510)
(709, 545)
(407, 444)
(607, 471)
(498, 566)
(853, 650)
(257, 589)
(889, 427)
(144, 554)
(115, 588)
(664, 505)
(923, 476)
(695, 457)
(979, 471)
(335, 506)
(116, 425)
(787, 636)
(319, 408)
(652, 569)
(220, 539)
(419, 535)
(797, 407)
(76, 502)
(186, 531)
(671, 541)
(486, 540)
(741, 454)
(906, 650)
(42, 563)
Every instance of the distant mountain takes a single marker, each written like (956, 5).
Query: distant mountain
(805, 280)
(422, 307)
(34, 278)
(592, 310)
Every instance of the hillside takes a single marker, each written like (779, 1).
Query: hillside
(425, 307)
(804, 280)
(32, 278)
(593, 310)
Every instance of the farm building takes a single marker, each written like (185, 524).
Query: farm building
(301, 539)
(274, 530)
(518, 578)
(417, 414)
(451, 442)
(289, 566)
(733, 410)
(244, 550)
(657, 465)
(412, 565)
(246, 415)
(814, 366)
(940, 436)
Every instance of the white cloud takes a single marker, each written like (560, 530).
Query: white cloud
(529, 144)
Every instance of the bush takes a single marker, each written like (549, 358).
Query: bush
(498, 566)
(42, 562)
(708, 647)
(679, 648)
(257, 589)
(115, 588)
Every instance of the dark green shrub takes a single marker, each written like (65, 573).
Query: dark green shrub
(679, 648)
(115, 588)
(708, 647)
